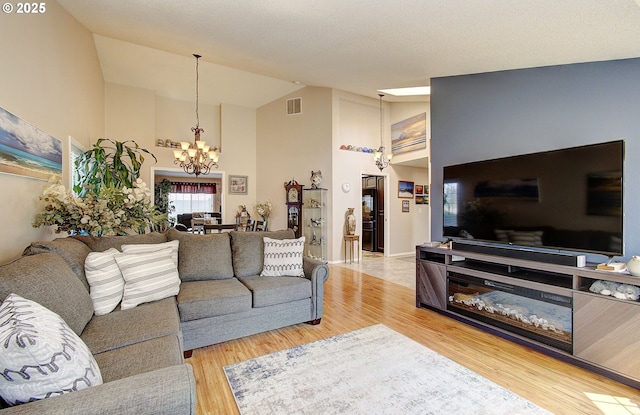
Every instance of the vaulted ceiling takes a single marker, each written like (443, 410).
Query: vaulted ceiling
(254, 51)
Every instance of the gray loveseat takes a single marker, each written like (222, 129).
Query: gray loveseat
(139, 351)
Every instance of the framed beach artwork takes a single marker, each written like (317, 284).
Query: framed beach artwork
(405, 189)
(409, 135)
(28, 151)
(238, 185)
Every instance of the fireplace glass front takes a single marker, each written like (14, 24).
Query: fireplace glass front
(538, 315)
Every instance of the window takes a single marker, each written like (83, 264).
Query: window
(192, 197)
(75, 150)
(191, 202)
(450, 203)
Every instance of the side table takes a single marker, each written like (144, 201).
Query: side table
(351, 240)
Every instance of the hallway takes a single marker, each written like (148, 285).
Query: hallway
(400, 269)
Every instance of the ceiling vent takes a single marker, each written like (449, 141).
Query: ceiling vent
(294, 106)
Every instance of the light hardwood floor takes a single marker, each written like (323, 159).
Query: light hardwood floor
(354, 300)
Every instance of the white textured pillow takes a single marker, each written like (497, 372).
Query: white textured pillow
(144, 248)
(40, 356)
(283, 257)
(105, 280)
(148, 277)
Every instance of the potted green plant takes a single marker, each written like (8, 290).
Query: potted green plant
(111, 198)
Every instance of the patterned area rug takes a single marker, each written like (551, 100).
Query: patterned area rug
(374, 370)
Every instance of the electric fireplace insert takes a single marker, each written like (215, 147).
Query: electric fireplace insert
(542, 316)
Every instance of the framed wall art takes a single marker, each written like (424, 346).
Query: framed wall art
(238, 185)
(405, 205)
(25, 150)
(405, 189)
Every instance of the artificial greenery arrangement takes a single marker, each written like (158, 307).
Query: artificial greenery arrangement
(111, 198)
(116, 166)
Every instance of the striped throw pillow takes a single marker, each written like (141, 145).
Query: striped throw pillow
(283, 257)
(106, 284)
(148, 277)
(144, 248)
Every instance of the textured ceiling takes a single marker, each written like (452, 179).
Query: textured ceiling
(353, 45)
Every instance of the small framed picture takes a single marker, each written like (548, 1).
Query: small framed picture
(405, 189)
(419, 199)
(238, 185)
(419, 189)
(405, 205)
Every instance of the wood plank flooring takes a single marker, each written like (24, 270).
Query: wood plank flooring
(354, 300)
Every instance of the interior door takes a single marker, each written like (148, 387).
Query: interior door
(380, 213)
(369, 198)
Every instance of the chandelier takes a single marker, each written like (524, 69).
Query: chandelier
(197, 157)
(381, 159)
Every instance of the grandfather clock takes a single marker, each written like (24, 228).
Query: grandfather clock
(294, 206)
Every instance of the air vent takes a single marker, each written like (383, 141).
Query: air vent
(294, 106)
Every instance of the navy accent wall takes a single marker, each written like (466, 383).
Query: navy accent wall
(497, 114)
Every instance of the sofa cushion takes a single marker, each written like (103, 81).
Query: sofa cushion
(268, 291)
(140, 358)
(203, 257)
(147, 277)
(40, 355)
(201, 299)
(105, 280)
(283, 257)
(49, 281)
(71, 250)
(248, 250)
(102, 243)
(125, 327)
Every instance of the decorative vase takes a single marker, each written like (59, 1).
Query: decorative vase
(634, 266)
(351, 222)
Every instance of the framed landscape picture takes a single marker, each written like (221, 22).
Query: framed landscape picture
(238, 185)
(25, 150)
(405, 189)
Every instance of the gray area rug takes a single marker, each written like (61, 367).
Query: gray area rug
(374, 370)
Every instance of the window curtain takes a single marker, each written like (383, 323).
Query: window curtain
(207, 188)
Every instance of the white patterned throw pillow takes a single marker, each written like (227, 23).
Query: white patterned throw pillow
(148, 277)
(283, 257)
(40, 355)
(144, 248)
(105, 280)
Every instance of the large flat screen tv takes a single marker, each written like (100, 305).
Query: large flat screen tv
(567, 200)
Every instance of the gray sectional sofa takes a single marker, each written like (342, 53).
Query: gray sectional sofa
(140, 350)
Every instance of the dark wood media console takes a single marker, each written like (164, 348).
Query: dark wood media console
(545, 306)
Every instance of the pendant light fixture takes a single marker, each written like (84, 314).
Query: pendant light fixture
(196, 158)
(381, 159)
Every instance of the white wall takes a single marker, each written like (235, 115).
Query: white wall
(140, 115)
(357, 123)
(291, 146)
(51, 78)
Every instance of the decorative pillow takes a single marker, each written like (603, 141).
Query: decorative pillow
(283, 257)
(144, 248)
(147, 277)
(105, 280)
(248, 250)
(40, 355)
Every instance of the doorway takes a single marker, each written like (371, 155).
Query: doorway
(373, 194)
